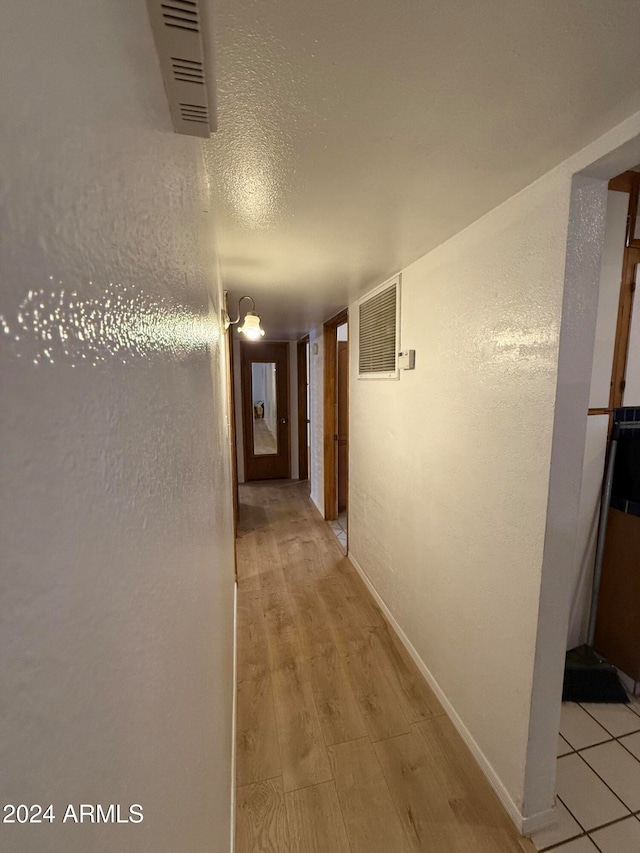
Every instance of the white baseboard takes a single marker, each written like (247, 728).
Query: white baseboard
(317, 505)
(524, 825)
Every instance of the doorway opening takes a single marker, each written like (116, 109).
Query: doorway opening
(265, 410)
(596, 302)
(336, 423)
(304, 423)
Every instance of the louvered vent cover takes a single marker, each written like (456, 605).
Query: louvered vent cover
(378, 335)
(177, 29)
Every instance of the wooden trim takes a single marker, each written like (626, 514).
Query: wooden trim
(347, 431)
(330, 341)
(303, 414)
(623, 183)
(631, 238)
(628, 182)
(623, 328)
(338, 319)
(233, 444)
(330, 367)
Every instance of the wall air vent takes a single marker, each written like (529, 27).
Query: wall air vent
(193, 112)
(379, 332)
(178, 32)
(187, 71)
(181, 14)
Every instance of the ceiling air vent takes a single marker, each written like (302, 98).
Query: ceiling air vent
(379, 332)
(177, 29)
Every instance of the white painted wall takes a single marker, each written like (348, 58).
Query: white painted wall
(582, 578)
(116, 590)
(457, 515)
(608, 299)
(316, 416)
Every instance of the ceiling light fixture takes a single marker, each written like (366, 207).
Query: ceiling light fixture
(251, 326)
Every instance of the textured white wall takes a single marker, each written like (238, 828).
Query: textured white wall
(608, 297)
(450, 467)
(116, 590)
(316, 415)
(582, 578)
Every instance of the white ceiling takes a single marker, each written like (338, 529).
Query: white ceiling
(355, 136)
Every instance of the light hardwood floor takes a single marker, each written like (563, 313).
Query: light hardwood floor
(341, 744)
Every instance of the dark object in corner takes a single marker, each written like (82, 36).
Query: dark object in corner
(588, 677)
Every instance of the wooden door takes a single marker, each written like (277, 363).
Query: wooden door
(265, 410)
(342, 422)
(303, 409)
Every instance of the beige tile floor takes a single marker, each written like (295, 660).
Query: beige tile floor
(598, 781)
(339, 528)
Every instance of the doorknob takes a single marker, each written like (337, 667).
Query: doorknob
(283, 420)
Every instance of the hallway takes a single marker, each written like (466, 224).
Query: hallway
(341, 745)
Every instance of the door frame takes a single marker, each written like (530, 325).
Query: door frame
(233, 445)
(330, 349)
(271, 351)
(303, 411)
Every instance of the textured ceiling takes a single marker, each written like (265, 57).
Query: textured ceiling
(354, 137)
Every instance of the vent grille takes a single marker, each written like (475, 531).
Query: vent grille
(194, 112)
(181, 14)
(178, 28)
(378, 335)
(187, 71)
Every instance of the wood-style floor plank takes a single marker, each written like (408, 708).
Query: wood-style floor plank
(348, 628)
(371, 819)
(252, 657)
(340, 717)
(257, 753)
(417, 699)
(378, 703)
(303, 754)
(341, 744)
(336, 704)
(315, 820)
(458, 776)
(261, 819)
(279, 621)
(433, 805)
(311, 620)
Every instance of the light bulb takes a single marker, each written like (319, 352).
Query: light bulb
(251, 326)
